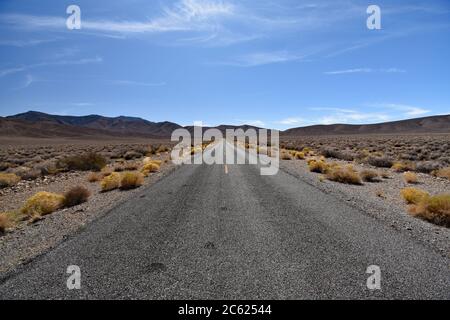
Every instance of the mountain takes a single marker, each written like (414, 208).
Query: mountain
(434, 124)
(93, 124)
(41, 125)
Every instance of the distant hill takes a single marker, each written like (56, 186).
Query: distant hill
(42, 125)
(435, 124)
(95, 124)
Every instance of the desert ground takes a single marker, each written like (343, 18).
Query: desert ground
(54, 192)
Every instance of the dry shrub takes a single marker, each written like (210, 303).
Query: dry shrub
(286, 155)
(8, 180)
(343, 175)
(148, 160)
(410, 177)
(150, 167)
(130, 155)
(76, 196)
(435, 209)
(413, 195)
(318, 166)
(300, 155)
(119, 167)
(131, 166)
(94, 177)
(131, 180)
(428, 166)
(370, 176)
(385, 174)
(380, 162)
(89, 161)
(42, 203)
(442, 173)
(403, 166)
(4, 222)
(110, 182)
(337, 154)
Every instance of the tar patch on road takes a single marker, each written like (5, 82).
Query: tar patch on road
(210, 245)
(157, 267)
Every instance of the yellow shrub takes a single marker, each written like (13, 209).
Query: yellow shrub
(443, 173)
(410, 177)
(148, 160)
(110, 182)
(413, 195)
(343, 175)
(8, 180)
(403, 166)
(150, 167)
(300, 155)
(435, 209)
(43, 203)
(318, 166)
(131, 180)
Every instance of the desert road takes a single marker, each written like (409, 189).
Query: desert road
(226, 232)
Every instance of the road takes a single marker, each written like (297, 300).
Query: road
(226, 232)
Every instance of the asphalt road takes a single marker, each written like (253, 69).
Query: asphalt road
(226, 232)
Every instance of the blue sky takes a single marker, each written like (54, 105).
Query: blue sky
(277, 64)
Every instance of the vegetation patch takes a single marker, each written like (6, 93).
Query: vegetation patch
(345, 174)
(43, 203)
(110, 182)
(131, 180)
(8, 180)
(370, 176)
(413, 195)
(410, 177)
(88, 162)
(76, 196)
(435, 209)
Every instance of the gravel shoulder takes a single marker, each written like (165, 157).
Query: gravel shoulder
(382, 200)
(29, 240)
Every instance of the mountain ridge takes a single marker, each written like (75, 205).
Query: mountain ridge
(44, 125)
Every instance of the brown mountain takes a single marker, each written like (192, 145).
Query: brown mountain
(41, 125)
(434, 124)
(26, 124)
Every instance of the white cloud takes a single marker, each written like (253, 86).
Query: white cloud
(82, 104)
(354, 117)
(365, 70)
(184, 15)
(136, 83)
(263, 58)
(291, 121)
(28, 81)
(83, 61)
(406, 109)
(24, 43)
(255, 123)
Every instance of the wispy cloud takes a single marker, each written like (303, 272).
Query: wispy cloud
(365, 70)
(407, 110)
(263, 58)
(82, 104)
(184, 15)
(25, 43)
(82, 61)
(256, 123)
(137, 83)
(291, 121)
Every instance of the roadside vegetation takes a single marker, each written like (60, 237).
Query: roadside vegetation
(380, 159)
(112, 168)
